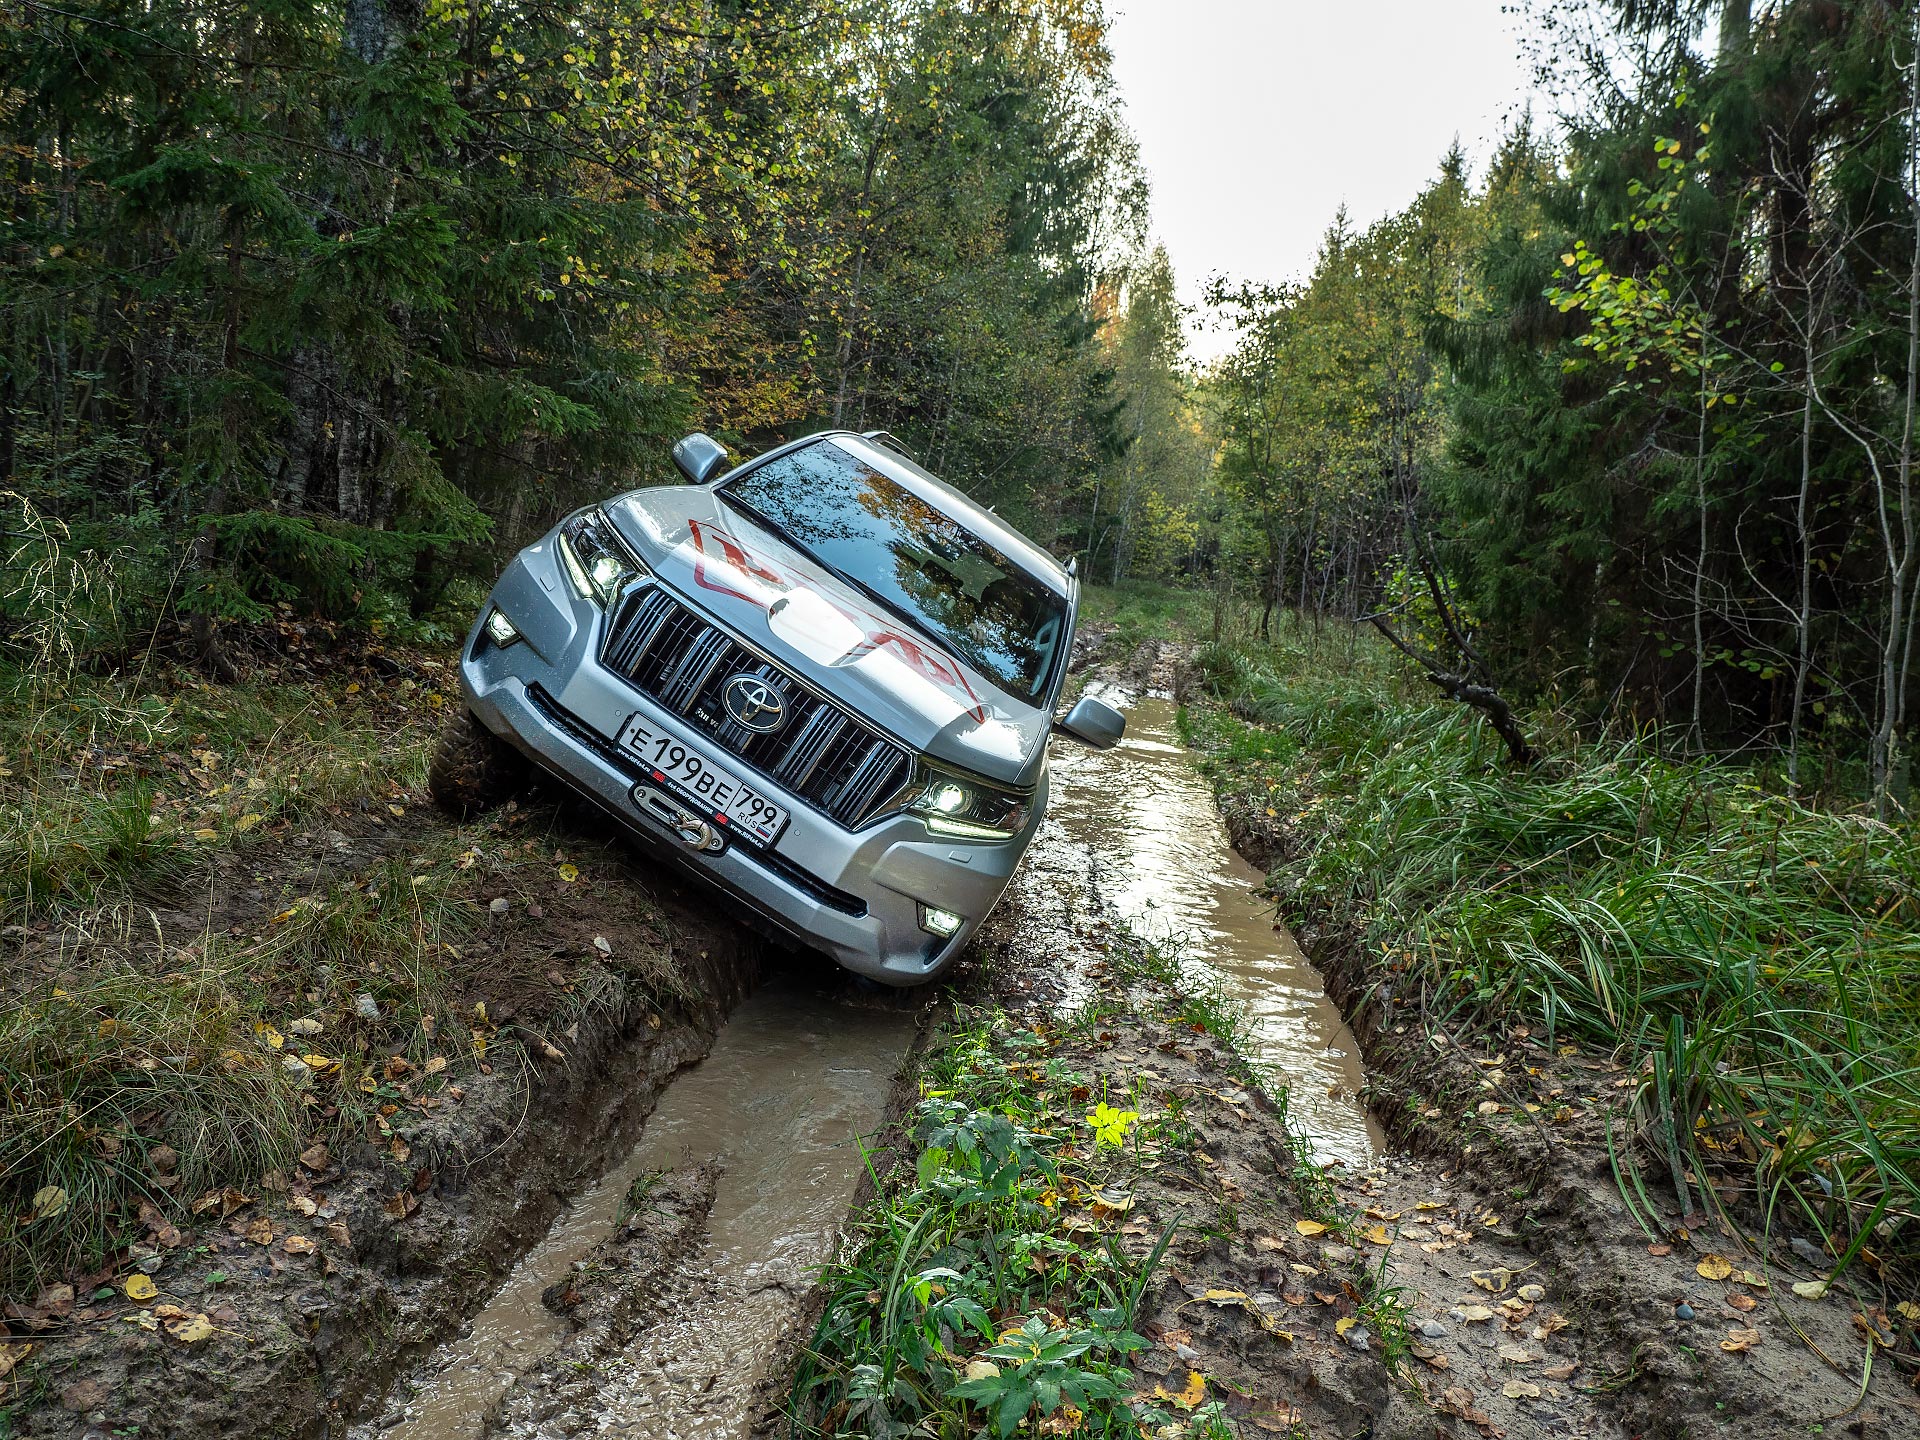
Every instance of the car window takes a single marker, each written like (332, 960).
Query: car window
(913, 557)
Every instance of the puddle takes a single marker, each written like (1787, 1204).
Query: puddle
(1163, 860)
(794, 1081)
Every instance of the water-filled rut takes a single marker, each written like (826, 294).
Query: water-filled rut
(1162, 859)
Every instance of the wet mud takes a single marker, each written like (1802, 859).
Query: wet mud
(776, 1114)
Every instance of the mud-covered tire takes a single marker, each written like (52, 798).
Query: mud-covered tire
(473, 769)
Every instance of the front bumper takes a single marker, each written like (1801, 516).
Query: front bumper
(855, 895)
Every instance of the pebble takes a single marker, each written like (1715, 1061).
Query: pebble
(498, 905)
(1432, 1329)
(1683, 1311)
(366, 1007)
(1806, 1250)
(1357, 1338)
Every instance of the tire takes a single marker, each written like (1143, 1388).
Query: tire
(473, 769)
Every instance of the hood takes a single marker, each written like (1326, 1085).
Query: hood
(830, 634)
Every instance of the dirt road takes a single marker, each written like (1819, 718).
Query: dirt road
(634, 1252)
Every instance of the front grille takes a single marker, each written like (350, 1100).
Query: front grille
(820, 752)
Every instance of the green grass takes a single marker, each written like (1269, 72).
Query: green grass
(133, 1067)
(111, 788)
(966, 1260)
(1759, 959)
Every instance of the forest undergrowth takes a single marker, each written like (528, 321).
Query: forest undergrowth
(1751, 958)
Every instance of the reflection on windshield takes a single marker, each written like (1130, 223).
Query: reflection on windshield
(915, 558)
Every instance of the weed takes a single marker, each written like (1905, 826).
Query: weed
(1758, 955)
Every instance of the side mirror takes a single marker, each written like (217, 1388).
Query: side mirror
(700, 457)
(1093, 723)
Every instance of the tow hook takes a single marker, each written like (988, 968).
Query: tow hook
(692, 831)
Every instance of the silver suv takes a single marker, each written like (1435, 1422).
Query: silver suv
(823, 679)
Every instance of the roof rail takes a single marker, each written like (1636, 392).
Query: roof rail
(892, 442)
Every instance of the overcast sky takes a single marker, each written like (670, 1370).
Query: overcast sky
(1257, 118)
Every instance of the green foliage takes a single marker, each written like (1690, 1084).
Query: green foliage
(1757, 953)
(908, 1342)
(330, 304)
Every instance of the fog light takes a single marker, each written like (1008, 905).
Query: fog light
(501, 628)
(939, 922)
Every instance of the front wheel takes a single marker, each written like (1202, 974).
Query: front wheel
(473, 769)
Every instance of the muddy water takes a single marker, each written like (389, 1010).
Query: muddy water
(794, 1081)
(1163, 861)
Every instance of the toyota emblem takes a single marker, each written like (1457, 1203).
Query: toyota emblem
(753, 704)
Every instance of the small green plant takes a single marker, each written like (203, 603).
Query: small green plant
(1037, 1368)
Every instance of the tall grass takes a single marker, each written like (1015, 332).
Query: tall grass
(1759, 960)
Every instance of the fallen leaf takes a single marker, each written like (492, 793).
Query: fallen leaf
(260, 1232)
(10, 1356)
(569, 872)
(1309, 1227)
(1520, 1390)
(1517, 1355)
(1738, 1340)
(315, 1157)
(1474, 1314)
(1659, 1249)
(1377, 1234)
(1269, 1243)
(191, 1330)
(140, 1287)
(1191, 1394)
(1346, 1323)
(1742, 1302)
(338, 1233)
(299, 1245)
(981, 1370)
(1713, 1267)
(400, 1206)
(436, 1065)
(48, 1201)
(1560, 1372)
(303, 1205)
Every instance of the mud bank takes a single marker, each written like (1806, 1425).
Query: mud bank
(336, 1273)
(1689, 1330)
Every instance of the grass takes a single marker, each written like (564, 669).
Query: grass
(967, 1301)
(1758, 958)
(145, 1061)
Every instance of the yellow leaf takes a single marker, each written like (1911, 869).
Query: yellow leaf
(1378, 1235)
(1713, 1267)
(192, 1330)
(1309, 1227)
(1191, 1394)
(569, 872)
(247, 821)
(267, 1033)
(140, 1287)
(1344, 1324)
(205, 833)
(1520, 1390)
(48, 1201)
(1475, 1313)
(1738, 1340)
(1810, 1289)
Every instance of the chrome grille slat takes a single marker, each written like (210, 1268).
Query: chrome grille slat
(823, 753)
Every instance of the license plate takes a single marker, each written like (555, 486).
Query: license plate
(702, 781)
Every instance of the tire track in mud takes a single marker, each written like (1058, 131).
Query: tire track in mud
(681, 1332)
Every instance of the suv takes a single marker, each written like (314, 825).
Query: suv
(823, 679)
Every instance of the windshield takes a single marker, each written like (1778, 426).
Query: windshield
(914, 558)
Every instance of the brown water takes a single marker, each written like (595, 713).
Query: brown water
(794, 1082)
(1163, 861)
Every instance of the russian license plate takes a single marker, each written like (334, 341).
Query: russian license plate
(702, 781)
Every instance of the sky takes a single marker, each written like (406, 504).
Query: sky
(1258, 118)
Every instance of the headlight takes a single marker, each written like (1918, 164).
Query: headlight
(501, 628)
(599, 565)
(967, 809)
